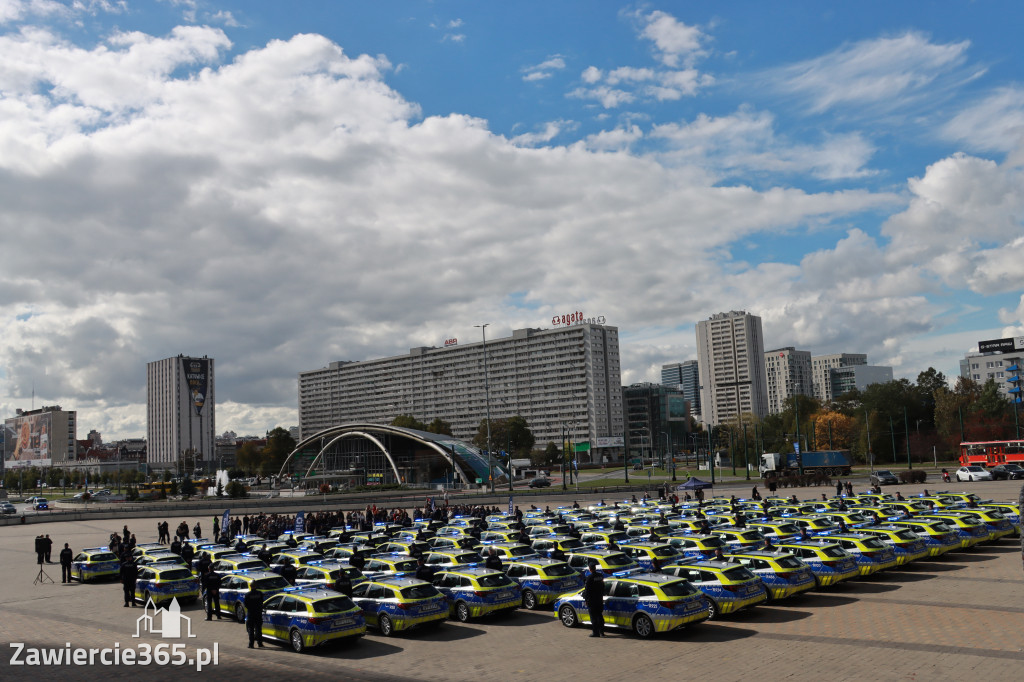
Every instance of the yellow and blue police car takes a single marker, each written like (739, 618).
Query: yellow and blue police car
(476, 592)
(94, 563)
(395, 604)
(306, 617)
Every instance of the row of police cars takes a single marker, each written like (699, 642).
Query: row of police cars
(667, 566)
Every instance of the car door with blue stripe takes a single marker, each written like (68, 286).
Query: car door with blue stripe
(274, 616)
(620, 602)
(366, 597)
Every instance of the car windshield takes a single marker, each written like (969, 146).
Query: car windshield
(520, 551)
(678, 588)
(1012, 467)
(942, 527)
(873, 543)
(856, 518)
(245, 565)
(559, 570)
(275, 583)
(571, 544)
(333, 605)
(664, 552)
(472, 558)
(974, 469)
(789, 562)
(409, 565)
(884, 472)
(496, 580)
(176, 574)
(617, 560)
(419, 592)
(906, 535)
(104, 556)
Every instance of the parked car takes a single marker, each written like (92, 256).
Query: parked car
(7, 509)
(883, 477)
(1002, 472)
(540, 482)
(973, 473)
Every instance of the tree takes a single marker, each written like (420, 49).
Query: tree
(511, 433)
(220, 489)
(407, 421)
(833, 431)
(236, 490)
(546, 457)
(928, 384)
(188, 487)
(439, 426)
(249, 457)
(280, 444)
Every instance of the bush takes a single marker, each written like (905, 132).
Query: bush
(913, 476)
(236, 490)
(132, 495)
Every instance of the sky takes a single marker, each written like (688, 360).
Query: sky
(280, 185)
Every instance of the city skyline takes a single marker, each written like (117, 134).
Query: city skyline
(284, 186)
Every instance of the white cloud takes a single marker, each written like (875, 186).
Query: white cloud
(545, 69)
(882, 73)
(746, 141)
(454, 37)
(591, 74)
(549, 132)
(225, 17)
(676, 43)
(609, 98)
(994, 124)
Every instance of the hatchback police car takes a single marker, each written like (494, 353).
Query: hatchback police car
(93, 563)
(476, 592)
(542, 581)
(727, 587)
(782, 573)
(646, 603)
(234, 587)
(310, 616)
(164, 583)
(395, 604)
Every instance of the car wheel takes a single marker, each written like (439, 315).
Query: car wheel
(146, 596)
(81, 576)
(567, 615)
(387, 628)
(295, 637)
(529, 600)
(712, 609)
(643, 626)
(462, 611)
(240, 612)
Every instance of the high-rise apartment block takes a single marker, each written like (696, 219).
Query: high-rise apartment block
(730, 355)
(686, 377)
(561, 380)
(180, 413)
(787, 373)
(821, 372)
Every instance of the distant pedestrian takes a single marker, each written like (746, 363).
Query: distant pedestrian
(47, 547)
(593, 595)
(211, 581)
(65, 564)
(839, 487)
(129, 574)
(40, 550)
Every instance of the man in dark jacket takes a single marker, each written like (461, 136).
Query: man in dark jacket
(253, 603)
(65, 563)
(176, 545)
(211, 581)
(593, 595)
(288, 572)
(129, 574)
(188, 553)
(264, 554)
(493, 561)
(424, 572)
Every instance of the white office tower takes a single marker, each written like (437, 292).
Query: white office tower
(730, 357)
(787, 373)
(180, 413)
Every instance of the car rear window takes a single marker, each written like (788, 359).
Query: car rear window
(496, 580)
(419, 592)
(678, 588)
(571, 544)
(789, 562)
(333, 605)
(275, 583)
(738, 573)
(906, 535)
(787, 529)
(243, 565)
(617, 560)
(664, 552)
(714, 542)
(559, 570)
(873, 543)
(519, 551)
(176, 574)
(472, 558)
(833, 552)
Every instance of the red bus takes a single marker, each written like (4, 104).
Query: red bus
(992, 452)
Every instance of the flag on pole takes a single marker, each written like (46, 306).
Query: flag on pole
(300, 522)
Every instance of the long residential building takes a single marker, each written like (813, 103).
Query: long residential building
(730, 355)
(565, 379)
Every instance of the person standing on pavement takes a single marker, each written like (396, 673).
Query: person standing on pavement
(65, 564)
(129, 574)
(211, 581)
(593, 595)
(253, 603)
(48, 546)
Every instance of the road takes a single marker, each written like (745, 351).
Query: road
(954, 618)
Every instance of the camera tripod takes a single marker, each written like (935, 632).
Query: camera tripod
(42, 577)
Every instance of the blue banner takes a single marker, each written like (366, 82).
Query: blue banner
(511, 507)
(300, 522)
(225, 523)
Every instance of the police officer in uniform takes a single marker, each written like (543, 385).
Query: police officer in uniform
(288, 572)
(253, 603)
(188, 553)
(129, 574)
(593, 595)
(264, 554)
(423, 572)
(65, 563)
(211, 581)
(493, 561)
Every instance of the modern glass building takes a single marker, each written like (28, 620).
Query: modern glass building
(686, 377)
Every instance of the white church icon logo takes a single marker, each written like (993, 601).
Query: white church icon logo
(170, 621)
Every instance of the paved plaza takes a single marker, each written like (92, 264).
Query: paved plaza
(955, 618)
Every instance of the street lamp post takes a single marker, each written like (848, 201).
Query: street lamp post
(487, 407)
(625, 454)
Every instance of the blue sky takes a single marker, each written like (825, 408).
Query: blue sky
(280, 185)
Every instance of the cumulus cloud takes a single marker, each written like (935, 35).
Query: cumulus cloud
(675, 42)
(882, 73)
